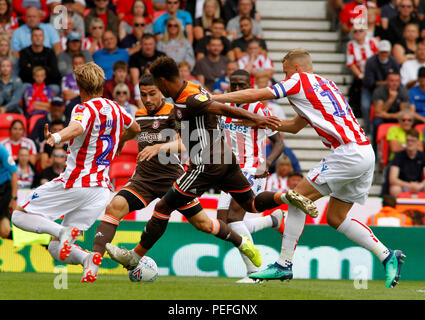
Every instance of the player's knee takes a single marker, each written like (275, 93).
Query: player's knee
(162, 207)
(17, 218)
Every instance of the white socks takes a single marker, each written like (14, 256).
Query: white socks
(256, 224)
(35, 223)
(294, 227)
(240, 228)
(362, 235)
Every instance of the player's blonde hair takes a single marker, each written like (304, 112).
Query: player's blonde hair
(299, 56)
(90, 78)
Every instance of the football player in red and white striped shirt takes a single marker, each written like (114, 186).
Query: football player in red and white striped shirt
(346, 174)
(82, 192)
(248, 144)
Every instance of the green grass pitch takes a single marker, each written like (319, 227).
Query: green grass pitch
(35, 286)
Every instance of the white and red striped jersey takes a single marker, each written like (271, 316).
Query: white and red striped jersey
(323, 106)
(248, 143)
(13, 146)
(90, 154)
(88, 42)
(275, 183)
(357, 54)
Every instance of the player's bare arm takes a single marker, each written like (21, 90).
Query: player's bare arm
(128, 134)
(72, 131)
(245, 96)
(293, 125)
(275, 152)
(239, 113)
(175, 146)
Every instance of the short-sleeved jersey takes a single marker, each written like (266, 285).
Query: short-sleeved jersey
(157, 128)
(276, 183)
(13, 146)
(357, 54)
(90, 154)
(323, 106)
(199, 130)
(248, 143)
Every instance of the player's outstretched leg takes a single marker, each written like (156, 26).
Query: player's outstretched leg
(392, 265)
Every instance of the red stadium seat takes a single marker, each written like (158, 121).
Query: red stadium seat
(6, 120)
(120, 172)
(382, 144)
(129, 152)
(32, 121)
(420, 128)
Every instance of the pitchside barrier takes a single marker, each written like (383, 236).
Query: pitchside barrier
(322, 252)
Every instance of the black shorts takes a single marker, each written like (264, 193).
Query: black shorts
(199, 179)
(5, 197)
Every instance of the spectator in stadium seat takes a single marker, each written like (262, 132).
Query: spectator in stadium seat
(21, 37)
(69, 84)
(138, 10)
(389, 216)
(417, 97)
(58, 160)
(175, 45)
(255, 63)
(172, 11)
(388, 101)
(121, 95)
(11, 89)
(93, 42)
(351, 13)
(101, 10)
(396, 136)
(278, 181)
(8, 18)
(133, 41)
(46, 150)
(17, 139)
(374, 24)
(78, 6)
(38, 96)
(230, 10)
(396, 25)
(212, 66)
(6, 53)
(74, 48)
(218, 30)
(360, 48)
(39, 55)
(388, 11)
(56, 113)
(202, 25)
(21, 7)
(409, 69)
(120, 76)
(376, 70)
(245, 8)
(407, 168)
(27, 174)
(239, 46)
(141, 60)
(405, 49)
(74, 18)
(8, 191)
(185, 72)
(110, 54)
(221, 85)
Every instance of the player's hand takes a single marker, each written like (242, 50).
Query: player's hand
(48, 136)
(262, 171)
(12, 205)
(148, 152)
(271, 122)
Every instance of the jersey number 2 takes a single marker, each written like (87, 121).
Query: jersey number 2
(101, 160)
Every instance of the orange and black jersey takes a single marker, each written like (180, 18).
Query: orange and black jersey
(157, 128)
(199, 130)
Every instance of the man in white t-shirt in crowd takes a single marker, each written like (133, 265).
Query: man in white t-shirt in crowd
(409, 69)
(82, 191)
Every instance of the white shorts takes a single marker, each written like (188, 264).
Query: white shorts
(257, 185)
(79, 206)
(346, 174)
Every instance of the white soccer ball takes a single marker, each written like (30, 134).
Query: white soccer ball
(146, 271)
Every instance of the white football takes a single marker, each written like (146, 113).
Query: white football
(146, 271)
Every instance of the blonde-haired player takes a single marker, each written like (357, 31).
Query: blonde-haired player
(82, 192)
(346, 174)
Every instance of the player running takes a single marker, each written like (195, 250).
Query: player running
(212, 163)
(82, 191)
(248, 145)
(346, 174)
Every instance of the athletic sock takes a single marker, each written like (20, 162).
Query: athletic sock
(105, 233)
(294, 227)
(240, 228)
(260, 223)
(76, 256)
(222, 231)
(363, 236)
(154, 229)
(35, 223)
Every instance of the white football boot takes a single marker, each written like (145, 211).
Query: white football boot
(123, 256)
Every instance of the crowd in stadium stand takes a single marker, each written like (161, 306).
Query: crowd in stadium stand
(41, 42)
(384, 41)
